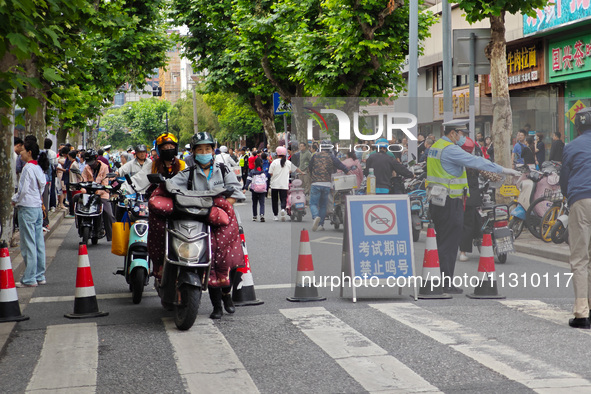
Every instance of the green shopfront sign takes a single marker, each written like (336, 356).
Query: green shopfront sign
(570, 59)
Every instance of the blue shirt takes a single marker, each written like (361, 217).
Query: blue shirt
(454, 159)
(517, 150)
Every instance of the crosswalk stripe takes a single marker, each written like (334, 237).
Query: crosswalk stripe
(503, 359)
(541, 310)
(365, 361)
(206, 360)
(68, 360)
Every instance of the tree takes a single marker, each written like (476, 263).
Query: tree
(496, 51)
(235, 117)
(181, 118)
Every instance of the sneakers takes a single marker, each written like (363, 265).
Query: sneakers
(21, 285)
(68, 216)
(42, 282)
(320, 228)
(52, 209)
(580, 322)
(316, 224)
(463, 256)
(262, 219)
(46, 229)
(254, 218)
(283, 215)
(275, 218)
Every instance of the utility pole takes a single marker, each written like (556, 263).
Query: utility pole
(413, 66)
(447, 72)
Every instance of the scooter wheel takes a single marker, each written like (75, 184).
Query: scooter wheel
(299, 217)
(186, 313)
(137, 281)
(502, 258)
(85, 235)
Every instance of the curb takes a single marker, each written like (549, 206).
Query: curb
(540, 249)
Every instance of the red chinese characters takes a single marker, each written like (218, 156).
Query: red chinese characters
(579, 54)
(556, 59)
(567, 57)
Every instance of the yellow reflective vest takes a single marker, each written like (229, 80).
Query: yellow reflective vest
(436, 175)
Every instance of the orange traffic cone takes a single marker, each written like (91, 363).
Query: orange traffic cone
(303, 292)
(9, 307)
(431, 289)
(243, 289)
(487, 288)
(85, 304)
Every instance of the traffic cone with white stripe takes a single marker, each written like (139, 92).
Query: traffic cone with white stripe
(243, 289)
(431, 289)
(487, 288)
(85, 304)
(305, 292)
(9, 307)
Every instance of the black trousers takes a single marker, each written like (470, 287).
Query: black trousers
(277, 194)
(471, 228)
(258, 199)
(244, 175)
(448, 221)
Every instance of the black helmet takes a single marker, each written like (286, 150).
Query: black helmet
(583, 119)
(90, 156)
(141, 148)
(202, 139)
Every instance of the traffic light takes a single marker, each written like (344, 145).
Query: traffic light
(156, 91)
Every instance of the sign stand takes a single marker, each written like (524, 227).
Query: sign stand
(377, 243)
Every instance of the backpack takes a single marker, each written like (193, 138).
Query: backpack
(259, 183)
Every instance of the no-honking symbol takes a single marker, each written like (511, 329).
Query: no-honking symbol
(380, 219)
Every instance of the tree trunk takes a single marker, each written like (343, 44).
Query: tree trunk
(35, 121)
(61, 134)
(7, 172)
(299, 118)
(265, 112)
(502, 126)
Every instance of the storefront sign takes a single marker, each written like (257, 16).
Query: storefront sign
(525, 65)
(556, 14)
(460, 103)
(574, 109)
(570, 58)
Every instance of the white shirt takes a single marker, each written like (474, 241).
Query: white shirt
(52, 156)
(280, 175)
(226, 159)
(30, 187)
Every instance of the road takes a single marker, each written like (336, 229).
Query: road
(387, 343)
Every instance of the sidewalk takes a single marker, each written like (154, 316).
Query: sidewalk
(530, 245)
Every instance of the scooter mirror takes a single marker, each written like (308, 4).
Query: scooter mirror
(155, 178)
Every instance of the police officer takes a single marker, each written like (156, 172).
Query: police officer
(447, 189)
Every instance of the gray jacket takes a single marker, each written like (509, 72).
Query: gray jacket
(217, 179)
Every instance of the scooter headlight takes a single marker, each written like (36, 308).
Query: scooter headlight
(186, 250)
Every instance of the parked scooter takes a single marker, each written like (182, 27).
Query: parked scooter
(296, 201)
(89, 211)
(419, 206)
(136, 264)
(188, 254)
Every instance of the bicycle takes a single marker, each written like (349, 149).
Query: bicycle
(536, 211)
(550, 218)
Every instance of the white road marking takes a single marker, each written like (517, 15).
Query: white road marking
(146, 294)
(542, 310)
(206, 361)
(503, 359)
(365, 361)
(324, 240)
(68, 361)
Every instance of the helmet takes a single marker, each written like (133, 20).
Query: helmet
(107, 147)
(141, 148)
(202, 138)
(382, 142)
(90, 156)
(224, 149)
(281, 151)
(188, 146)
(129, 148)
(468, 145)
(583, 119)
(166, 138)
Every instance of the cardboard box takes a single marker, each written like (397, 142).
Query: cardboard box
(344, 182)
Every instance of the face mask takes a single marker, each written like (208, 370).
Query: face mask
(203, 158)
(461, 141)
(167, 154)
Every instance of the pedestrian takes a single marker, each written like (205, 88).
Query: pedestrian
(420, 144)
(447, 189)
(141, 163)
(28, 200)
(257, 182)
(528, 152)
(279, 172)
(354, 166)
(322, 165)
(305, 157)
(52, 156)
(428, 144)
(490, 149)
(575, 183)
(18, 147)
(224, 157)
(243, 163)
(557, 147)
(472, 219)
(60, 171)
(516, 155)
(385, 167)
(75, 177)
(265, 157)
(540, 150)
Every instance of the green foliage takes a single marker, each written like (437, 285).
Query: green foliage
(236, 118)
(477, 10)
(181, 118)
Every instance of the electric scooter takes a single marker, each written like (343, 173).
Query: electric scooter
(296, 201)
(136, 263)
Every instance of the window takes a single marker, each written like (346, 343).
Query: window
(439, 78)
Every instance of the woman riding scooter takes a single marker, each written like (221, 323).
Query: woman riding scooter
(226, 245)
